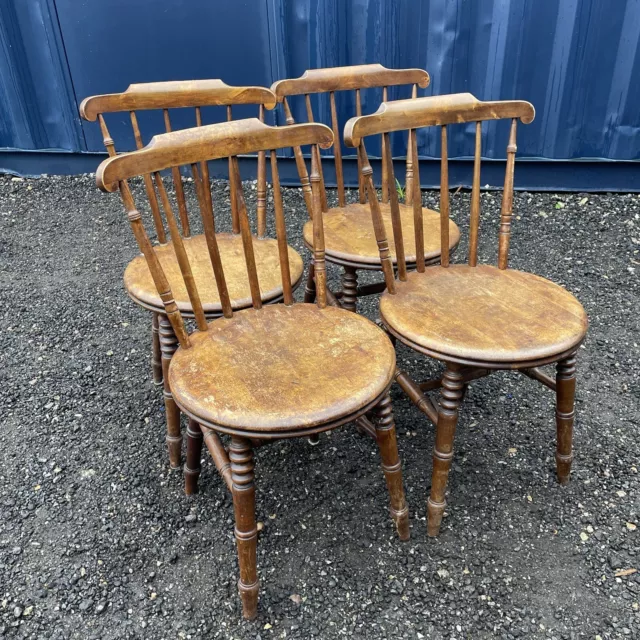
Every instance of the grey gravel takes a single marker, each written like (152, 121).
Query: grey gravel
(109, 546)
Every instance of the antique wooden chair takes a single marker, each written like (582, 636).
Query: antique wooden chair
(474, 317)
(349, 237)
(138, 280)
(266, 372)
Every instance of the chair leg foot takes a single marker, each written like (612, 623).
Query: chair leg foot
(194, 454)
(388, 446)
(565, 414)
(156, 361)
(246, 530)
(349, 289)
(452, 391)
(168, 346)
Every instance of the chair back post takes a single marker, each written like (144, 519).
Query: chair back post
(376, 215)
(474, 221)
(416, 203)
(396, 221)
(444, 198)
(319, 266)
(506, 210)
(157, 273)
(408, 181)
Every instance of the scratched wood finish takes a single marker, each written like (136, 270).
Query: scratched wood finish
(473, 317)
(178, 254)
(351, 244)
(268, 371)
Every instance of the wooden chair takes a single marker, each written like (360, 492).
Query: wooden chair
(474, 317)
(349, 237)
(267, 372)
(138, 280)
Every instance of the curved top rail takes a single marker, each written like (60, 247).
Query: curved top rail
(363, 76)
(175, 94)
(434, 110)
(190, 146)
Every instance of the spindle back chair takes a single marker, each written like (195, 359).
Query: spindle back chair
(349, 239)
(193, 97)
(474, 317)
(268, 371)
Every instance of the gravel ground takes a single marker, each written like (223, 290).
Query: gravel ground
(97, 539)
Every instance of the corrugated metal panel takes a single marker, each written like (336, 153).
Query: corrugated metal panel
(578, 61)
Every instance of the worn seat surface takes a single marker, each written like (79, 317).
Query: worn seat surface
(140, 286)
(484, 314)
(282, 367)
(349, 234)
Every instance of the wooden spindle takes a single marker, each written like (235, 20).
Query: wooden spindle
(261, 212)
(319, 266)
(378, 223)
(361, 182)
(398, 239)
(148, 185)
(235, 224)
(474, 222)
(177, 182)
(408, 183)
(106, 137)
(247, 238)
(337, 149)
(204, 169)
(155, 268)
(300, 164)
(208, 224)
(385, 172)
(507, 200)
(444, 199)
(316, 149)
(281, 232)
(416, 201)
(181, 255)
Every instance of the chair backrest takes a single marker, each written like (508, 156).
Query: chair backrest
(427, 112)
(354, 78)
(194, 94)
(194, 148)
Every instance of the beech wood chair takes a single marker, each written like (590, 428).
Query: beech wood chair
(266, 372)
(349, 237)
(474, 317)
(138, 280)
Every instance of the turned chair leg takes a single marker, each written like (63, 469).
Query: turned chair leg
(349, 289)
(246, 531)
(451, 397)
(168, 346)
(388, 446)
(194, 454)
(155, 350)
(565, 399)
(310, 286)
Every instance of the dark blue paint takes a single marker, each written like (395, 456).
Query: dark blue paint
(578, 61)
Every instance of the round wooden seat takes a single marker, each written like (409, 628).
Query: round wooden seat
(282, 368)
(350, 240)
(484, 315)
(140, 285)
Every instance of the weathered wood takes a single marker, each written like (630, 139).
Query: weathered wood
(155, 351)
(209, 142)
(398, 237)
(565, 414)
(349, 297)
(194, 452)
(474, 221)
(319, 266)
(261, 206)
(416, 396)
(408, 183)
(537, 374)
(444, 200)
(383, 152)
(506, 211)
(364, 76)
(281, 231)
(337, 149)
(416, 203)
(452, 390)
(219, 455)
(400, 115)
(175, 94)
